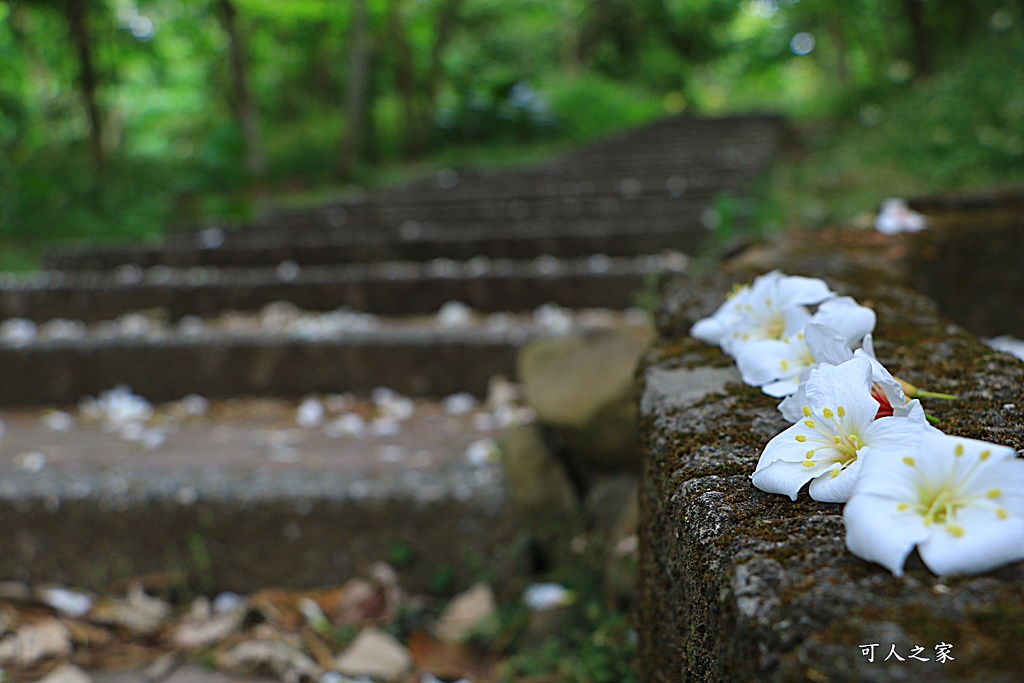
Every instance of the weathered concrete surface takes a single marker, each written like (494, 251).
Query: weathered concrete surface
(971, 260)
(413, 362)
(739, 585)
(521, 241)
(383, 289)
(243, 498)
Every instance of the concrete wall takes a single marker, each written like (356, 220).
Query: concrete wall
(740, 585)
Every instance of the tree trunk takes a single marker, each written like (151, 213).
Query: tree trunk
(920, 38)
(405, 77)
(243, 107)
(78, 21)
(442, 36)
(355, 106)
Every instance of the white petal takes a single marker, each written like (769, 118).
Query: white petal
(826, 344)
(868, 346)
(837, 489)
(794, 290)
(847, 385)
(761, 362)
(792, 407)
(878, 532)
(782, 387)
(891, 476)
(894, 436)
(712, 329)
(851, 319)
(986, 543)
(783, 477)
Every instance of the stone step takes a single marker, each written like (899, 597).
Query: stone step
(384, 289)
(281, 352)
(242, 498)
(413, 241)
(627, 202)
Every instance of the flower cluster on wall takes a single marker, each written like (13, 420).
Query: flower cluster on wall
(860, 436)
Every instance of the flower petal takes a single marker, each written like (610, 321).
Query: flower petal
(826, 344)
(784, 477)
(838, 488)
(877, 531)
(847, 385)
(793, 405)
(851, 319)
(794, 290)
(782, 387)
(895, 436)
(761, 362)
(986, 542)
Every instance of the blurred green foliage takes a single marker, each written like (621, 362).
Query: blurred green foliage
(895, 96)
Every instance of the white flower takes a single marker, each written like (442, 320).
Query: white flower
(772, 307)
(896, 217)
(885, 388)
(837, 433)
(959, 501)
(780, 366)
(848, 317)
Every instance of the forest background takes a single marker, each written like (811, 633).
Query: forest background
(123, 119)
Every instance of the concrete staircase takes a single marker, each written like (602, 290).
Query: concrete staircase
(369, 284)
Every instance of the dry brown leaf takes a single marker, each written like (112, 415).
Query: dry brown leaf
(66, 673)
(466, 612)
(374, 653)
(201, 627)
(287, 662)
(87, 635)
(139, 613)
(449, 660)
(34, 642)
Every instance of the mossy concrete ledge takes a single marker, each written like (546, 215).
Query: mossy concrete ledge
(740, 585)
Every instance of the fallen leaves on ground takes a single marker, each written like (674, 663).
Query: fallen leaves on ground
(59, 635)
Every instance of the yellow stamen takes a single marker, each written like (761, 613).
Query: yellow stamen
(807, 411)
(903, 506)
(842, 411)
(808, 463)
(956, 530)
(959, 450)
(994, 493)
(835, 473)
(910, 461)
(809, 455)
(801, 438)
(985, 455)
(1002, 514)
(828, 413)
(810, 424)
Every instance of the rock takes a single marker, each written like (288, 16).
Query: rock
(582, 387)
(466, 612)
(542, 496)
(374, 653)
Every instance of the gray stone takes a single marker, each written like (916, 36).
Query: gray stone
(680, 387)
(583, 390)
(540, 492)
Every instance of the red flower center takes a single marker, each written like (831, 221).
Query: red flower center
(884, 407)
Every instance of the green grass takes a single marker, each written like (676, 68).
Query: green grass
(961, 130)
